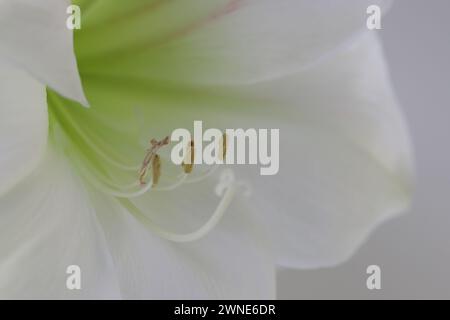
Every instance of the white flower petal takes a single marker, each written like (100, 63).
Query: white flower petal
(46, 225)
(345, 162)
(23, 125)
(232, 261)
(265, 39)
(34, 36)
(225, 42)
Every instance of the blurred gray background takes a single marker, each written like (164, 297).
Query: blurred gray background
(413, 251)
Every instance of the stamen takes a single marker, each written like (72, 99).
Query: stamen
(223, 147)
(100, 184)
(190, 158)
(149, 158)
(156, 166)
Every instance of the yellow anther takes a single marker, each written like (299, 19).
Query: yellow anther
(223, 147)
(188, 166)
(152, 158)
(156, 169)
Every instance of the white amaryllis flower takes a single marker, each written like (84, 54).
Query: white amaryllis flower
(69, 189)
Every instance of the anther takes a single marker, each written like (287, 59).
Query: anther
(156, 168)
(223, 147)
(190, 158)
(149, 160)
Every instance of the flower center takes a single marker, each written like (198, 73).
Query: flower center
(138, 95)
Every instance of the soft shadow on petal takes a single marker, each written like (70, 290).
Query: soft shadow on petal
(232, 261)
(23, 125)
(345, 163)
(34, 37)
(47, 224)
